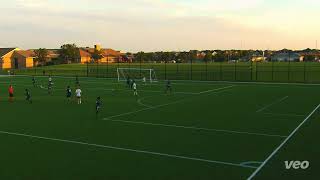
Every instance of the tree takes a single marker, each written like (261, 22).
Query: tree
(208, 57)
(193, 55)
(309, 58)
(140, 57)
(96, 55)
(220, 56)
(41, 56)
(183, 57)
(69, 52)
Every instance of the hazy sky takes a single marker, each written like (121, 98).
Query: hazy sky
(151, 25)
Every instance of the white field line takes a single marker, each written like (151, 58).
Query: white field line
(202, 92)
(143, 104)
(161, 105)
(195, 128)
(282, 144)
(273, 103)
(252, 163)
(126, 149)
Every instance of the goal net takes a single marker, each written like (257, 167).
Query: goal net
(137, 74)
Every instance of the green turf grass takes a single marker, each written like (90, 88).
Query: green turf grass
(201, 131)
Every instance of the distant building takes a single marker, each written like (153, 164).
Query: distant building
(15, 58)
(257, 57)
(286, 57)
(108, 55)
(310, 55)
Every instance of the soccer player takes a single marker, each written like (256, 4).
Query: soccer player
(50, 79)
(168, 86)
(33, 81)
(78, 94)
(69, 93)
(50, 87)
(134, 87)
(28, 96)
(131, 83)
(144, 80)
(11, 91)
(98, 104)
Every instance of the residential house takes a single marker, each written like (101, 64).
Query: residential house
(15, 58)
(257, 57)
(108, 55)
(310, 55)
(286, 56)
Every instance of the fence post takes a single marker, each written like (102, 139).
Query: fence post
(206, 70)
(191, 68)
(256, 71)
(177, 70)
(165, 69)
(97, 68)
(221, 71)
(107, 66)
(289, 68)
(272, 70)
(87, 68)
(304, 71)
(140, 64)
(251, 68)
(235, 70)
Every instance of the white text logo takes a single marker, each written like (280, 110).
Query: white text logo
(297, 164)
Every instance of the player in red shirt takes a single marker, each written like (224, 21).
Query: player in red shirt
(11, 91)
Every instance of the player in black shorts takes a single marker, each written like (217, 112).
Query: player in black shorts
(28, 96)
(50, 87)
(168, 86)
(98, 104)
(69, 93)
(33, 81)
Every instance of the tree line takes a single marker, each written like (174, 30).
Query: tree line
(69, 53)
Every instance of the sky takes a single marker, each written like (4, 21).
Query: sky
(161, 25)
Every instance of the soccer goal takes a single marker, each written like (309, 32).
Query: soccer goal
(136, 74)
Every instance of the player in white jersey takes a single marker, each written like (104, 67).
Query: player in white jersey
(134, 87)
(50, 79)
(144, 80)
(78, 95)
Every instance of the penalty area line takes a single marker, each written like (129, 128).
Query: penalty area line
(127, 149)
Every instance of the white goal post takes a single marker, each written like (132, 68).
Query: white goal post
(136, 74)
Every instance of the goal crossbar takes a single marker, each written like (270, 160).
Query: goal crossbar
(129, 72)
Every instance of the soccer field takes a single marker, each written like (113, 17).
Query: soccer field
(203, 130)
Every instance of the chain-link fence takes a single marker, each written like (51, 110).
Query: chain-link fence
(305, 72)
